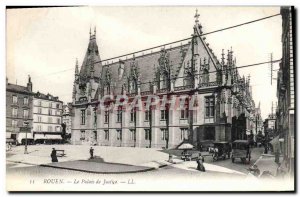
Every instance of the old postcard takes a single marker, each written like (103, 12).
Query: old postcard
(189, 98)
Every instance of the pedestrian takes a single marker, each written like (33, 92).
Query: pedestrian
(10, 146)
(53, 155)
(200, 162)
(91, 153)
(266, 149)
(201, 157)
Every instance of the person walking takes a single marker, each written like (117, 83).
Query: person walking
(200, 162)
(53, 155)
(91, 153)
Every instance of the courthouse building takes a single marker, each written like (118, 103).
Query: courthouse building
(225, 108)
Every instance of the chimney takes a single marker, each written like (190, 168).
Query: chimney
(29, 84)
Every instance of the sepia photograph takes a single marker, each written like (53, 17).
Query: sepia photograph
(150, 99)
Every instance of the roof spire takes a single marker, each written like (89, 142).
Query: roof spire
(95, 31)
(223, 58)
(196, 17)
(249, 79)
(197, 24)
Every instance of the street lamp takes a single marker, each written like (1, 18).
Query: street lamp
(26, 124)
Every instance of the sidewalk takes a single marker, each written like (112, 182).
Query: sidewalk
(108, 159)
(266, 162)
(98, 168)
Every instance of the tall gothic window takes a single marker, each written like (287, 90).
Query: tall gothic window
(106, 116)
(184, 133)
(82, 136)
(147, 134)
(119, 134)
(132, 134)
(82, 117)
(132, 115)
(147, 115)
(163, 114)
(164, 134)
(184, 113)
(209, 107)
(106, 134)
(119, 115)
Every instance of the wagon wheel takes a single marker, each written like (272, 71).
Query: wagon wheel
(215, 158)
(243, 160)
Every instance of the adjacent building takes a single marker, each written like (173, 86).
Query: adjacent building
(47, 118)
(225, 110)
(19, 120)
(66, 118)
(270, 127)
(285, 88)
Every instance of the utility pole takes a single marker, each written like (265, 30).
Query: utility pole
(271, 68)
(27, 128)
(272, 110)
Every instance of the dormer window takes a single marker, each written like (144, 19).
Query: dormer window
(132, 86)
(163, 82)
(121, 70)
(107, 89)
(205, 76)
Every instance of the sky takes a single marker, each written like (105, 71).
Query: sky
(45, 42)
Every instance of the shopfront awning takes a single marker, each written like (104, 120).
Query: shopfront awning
(53, 137)
(22, 136)
(40, 137)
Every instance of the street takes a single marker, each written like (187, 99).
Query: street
(37, 174)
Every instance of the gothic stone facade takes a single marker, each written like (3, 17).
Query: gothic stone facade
(225, 106)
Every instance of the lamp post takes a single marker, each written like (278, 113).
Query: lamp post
(26, 123)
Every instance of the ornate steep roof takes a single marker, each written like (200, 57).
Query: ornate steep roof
(146, 68)
(91, 56)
